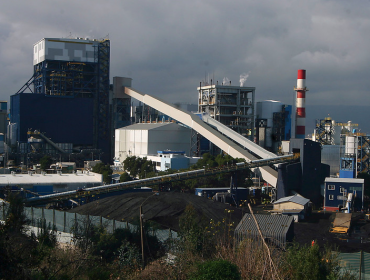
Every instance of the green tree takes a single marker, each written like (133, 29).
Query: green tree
(193, 232)
(309, 262)
(18, 252)
(125, 177)
(105, 170)
(45, 162)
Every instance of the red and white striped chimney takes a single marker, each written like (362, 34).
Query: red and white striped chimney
(300, 121)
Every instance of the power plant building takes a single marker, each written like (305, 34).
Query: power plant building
(232, 106)
(67, 98)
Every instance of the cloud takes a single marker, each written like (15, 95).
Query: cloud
(167, 47)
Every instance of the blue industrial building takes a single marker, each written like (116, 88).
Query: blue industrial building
(337, 190)
(67, 98)
(64, 120)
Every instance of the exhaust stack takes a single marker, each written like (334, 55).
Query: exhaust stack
(300, 121)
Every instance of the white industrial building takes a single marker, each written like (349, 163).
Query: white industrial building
(146, 139)
(44, 183)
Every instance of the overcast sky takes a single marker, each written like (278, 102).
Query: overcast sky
(168, 47)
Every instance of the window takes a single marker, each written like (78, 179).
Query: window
(331, 197)
(331, 187)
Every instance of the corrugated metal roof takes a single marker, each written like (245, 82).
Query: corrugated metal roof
(38, 179)
(269, 224)
(146, 126)
(273, 228)
(294, 198)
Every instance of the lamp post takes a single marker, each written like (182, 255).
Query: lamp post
(142, 229)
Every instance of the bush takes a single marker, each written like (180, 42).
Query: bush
(309, 262)
(216, 270)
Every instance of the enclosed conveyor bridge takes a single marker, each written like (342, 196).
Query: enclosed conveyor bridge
(87, 192)
(231, 147)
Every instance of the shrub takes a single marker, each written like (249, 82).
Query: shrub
(216, 270)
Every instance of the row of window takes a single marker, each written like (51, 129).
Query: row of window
(331, 197)
(343, 190)
(332, 188)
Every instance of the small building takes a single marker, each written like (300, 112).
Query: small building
(168, 159)
(337, 190)
(277, 230)
(296, 206)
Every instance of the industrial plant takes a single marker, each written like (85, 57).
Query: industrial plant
(70, 111)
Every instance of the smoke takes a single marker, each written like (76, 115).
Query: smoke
(243, 78)
(225, 81)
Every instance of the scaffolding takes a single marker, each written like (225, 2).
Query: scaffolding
(324, 131)
(355, 153)
(101, 101)
(65, 78)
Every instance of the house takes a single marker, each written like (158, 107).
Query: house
(340, 193)
(296, 206)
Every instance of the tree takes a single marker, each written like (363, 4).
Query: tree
(105, 170)
(18, 252)
(45, 162)
(217, 270)
(125, 177)
(193, 231)
(309, 262)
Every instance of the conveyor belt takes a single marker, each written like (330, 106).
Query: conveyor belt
(217, 138)
(154, 180)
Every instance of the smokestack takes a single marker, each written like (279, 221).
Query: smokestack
(300, 121)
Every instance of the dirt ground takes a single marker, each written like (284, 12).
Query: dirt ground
(167, 207)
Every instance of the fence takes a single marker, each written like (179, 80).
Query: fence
(358, 263)
(64, 221)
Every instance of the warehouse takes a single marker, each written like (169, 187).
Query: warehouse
(44, 183)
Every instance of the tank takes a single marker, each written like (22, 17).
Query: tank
(351, 145)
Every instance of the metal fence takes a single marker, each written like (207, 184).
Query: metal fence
(65, 222)
(357, 263)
